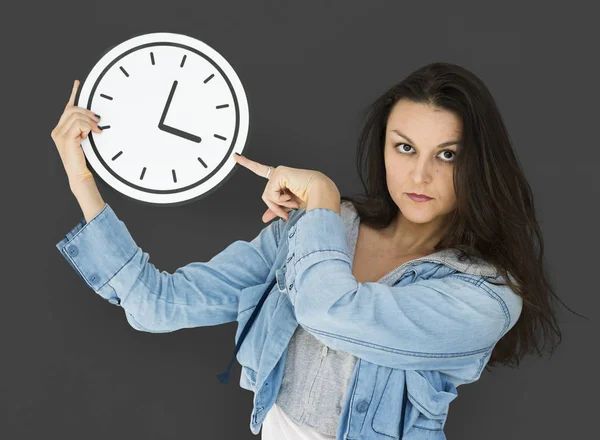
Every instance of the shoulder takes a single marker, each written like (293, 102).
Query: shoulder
(489, 292)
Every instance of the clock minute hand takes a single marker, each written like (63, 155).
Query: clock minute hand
(162, 126)
(168, 104)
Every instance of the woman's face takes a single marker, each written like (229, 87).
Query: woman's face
(417, 164)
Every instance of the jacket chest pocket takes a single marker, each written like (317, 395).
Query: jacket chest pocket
(387, 417)
(430, 395)
(426, 407)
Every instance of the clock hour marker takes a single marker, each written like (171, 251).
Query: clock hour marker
(124, 71)
(143, 172)
(183, 61)
(117, 155)
(152, 58)
(220, 137)
(103, 127)
(202, 162)
(209, 78)
(174, 176)
(106, 96)
(223, 106)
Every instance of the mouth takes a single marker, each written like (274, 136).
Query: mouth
(418, 197)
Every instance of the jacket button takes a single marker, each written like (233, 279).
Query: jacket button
(290, 286)
(362, 407)
(93, 278)
(73, 251)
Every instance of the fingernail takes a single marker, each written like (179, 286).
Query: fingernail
(97, 116)
(236, 154)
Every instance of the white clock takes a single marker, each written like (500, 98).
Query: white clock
(173, 112)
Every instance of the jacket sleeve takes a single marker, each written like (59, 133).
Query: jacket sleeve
(107, 259)
(429, 324)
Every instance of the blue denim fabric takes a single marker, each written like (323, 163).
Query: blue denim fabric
(416, 340)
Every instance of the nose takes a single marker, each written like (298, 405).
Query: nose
(421, 171)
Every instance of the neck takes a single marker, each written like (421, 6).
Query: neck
(410, 238)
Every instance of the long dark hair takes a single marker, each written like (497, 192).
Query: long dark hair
(494, 219)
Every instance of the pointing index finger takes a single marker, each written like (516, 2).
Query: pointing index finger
(253, 166)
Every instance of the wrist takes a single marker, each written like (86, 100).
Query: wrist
(80, 179)
(88, 196)
(324, 194)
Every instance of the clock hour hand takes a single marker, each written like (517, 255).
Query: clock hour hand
(180, 133)
(162, 126)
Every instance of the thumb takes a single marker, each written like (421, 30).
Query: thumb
(268, 215)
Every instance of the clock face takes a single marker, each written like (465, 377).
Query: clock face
(173, 112)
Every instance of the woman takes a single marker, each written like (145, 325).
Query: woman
(401, 297)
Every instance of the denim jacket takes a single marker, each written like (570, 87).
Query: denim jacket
(417, 337)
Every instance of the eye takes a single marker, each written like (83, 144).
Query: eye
(404, 151)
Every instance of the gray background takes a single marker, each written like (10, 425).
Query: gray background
(71, 365)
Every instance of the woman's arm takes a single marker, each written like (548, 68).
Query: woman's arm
(87, 195)
(430, 324)
(103, 253)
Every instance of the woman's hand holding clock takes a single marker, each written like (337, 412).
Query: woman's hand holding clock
(290, 188)
(74, 125)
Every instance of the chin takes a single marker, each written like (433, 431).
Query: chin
(418, 214)
(418, 218)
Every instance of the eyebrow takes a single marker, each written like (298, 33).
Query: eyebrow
(445, 144)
